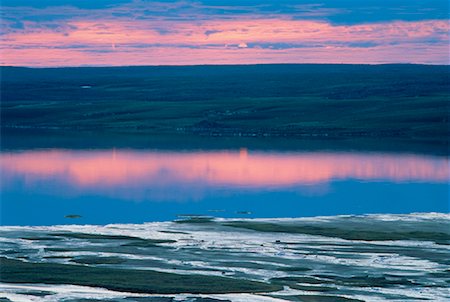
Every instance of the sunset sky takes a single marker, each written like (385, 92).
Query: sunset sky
(143, 32)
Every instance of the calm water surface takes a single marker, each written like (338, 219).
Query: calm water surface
(41, 187)
(261, 227)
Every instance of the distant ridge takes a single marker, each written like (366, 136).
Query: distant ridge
(402, 102)
(230, 65)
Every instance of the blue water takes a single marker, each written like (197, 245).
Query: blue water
(126, 186)
(398, 255)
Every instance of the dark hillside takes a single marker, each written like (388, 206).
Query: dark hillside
(407, 102)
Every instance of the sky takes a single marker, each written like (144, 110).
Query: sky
(53, 33)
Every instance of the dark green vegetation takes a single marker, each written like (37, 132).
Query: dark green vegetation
(94, 236)
(364, 234)
(331, 285)
(130, 240)
(72, 216)
(296, 269)
(98, 260)
(136, 281)
(326, 268)
(46, 238)
(147, 242)
(166, 299)
(319, 298)
(195, 219)
(359, 281)
(405, 104)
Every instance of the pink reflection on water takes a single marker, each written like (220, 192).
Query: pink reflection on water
(105, 169)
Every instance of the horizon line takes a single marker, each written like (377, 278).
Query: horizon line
(218, 65)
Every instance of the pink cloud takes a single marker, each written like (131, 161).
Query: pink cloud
(142, 42)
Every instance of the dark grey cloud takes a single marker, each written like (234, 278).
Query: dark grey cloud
(281, 46)
(84, 4)
(341, 11)
(211, 32)
(335, 11)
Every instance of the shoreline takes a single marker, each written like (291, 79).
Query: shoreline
(29, 139)
(352, 257)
